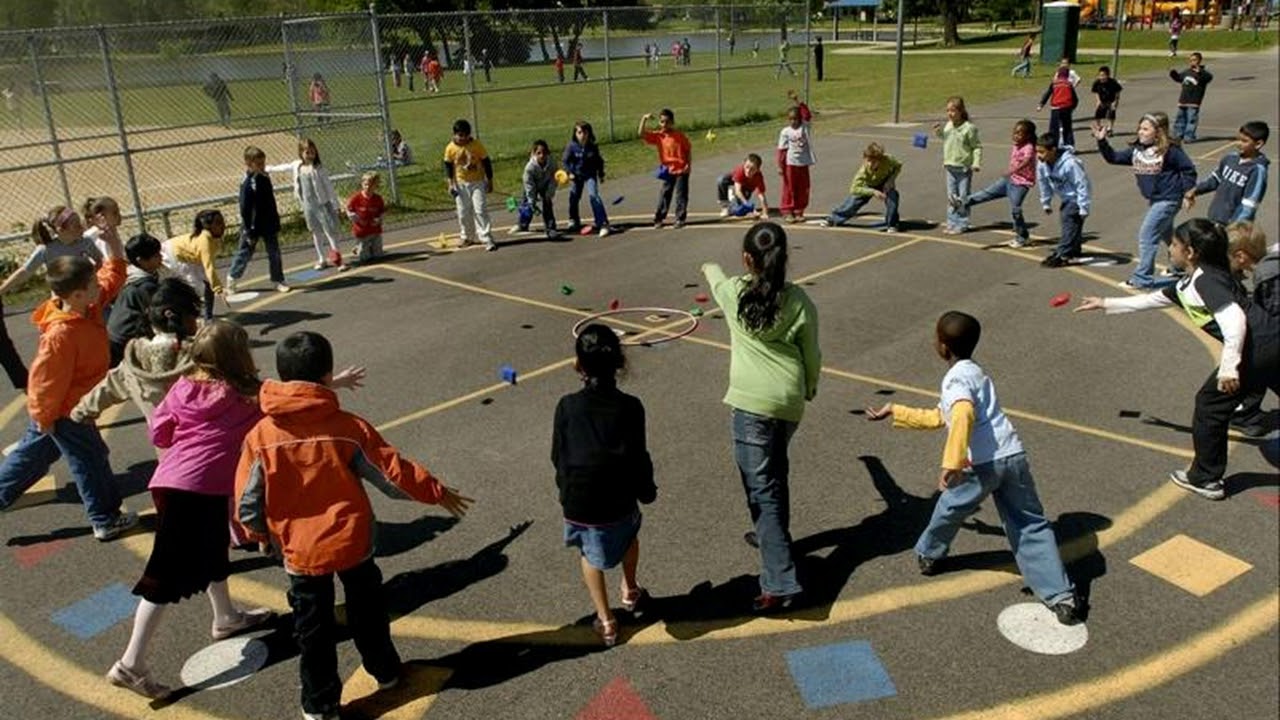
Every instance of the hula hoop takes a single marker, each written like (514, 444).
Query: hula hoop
(665, 336)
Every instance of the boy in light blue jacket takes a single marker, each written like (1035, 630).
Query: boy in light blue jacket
(1060, 171)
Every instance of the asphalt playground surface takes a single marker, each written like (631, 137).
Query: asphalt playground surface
(491, 614)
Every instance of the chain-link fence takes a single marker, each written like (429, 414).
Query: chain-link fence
(158, 115)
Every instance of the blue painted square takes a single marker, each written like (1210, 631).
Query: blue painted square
(305, 276)
(836, 674)
(98, 612)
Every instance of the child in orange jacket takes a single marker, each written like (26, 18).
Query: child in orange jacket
(72, 358)
(298, 487)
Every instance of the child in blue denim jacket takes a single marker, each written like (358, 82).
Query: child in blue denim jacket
(983, 456)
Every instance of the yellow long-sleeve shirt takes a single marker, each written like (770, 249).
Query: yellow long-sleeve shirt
(202, 248)
(955, 454)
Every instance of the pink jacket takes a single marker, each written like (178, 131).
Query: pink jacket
(203, 425)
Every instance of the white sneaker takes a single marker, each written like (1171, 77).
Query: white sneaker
(724, 212)
(320, 716)
(121, 524)
(231, 285)
(281, 287)
(604, 231)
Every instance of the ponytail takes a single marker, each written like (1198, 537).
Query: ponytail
(45, 229)
(761, 300)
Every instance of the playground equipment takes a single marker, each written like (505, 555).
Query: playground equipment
(1207, 11)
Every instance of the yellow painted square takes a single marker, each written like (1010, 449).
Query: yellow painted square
(1191, 565)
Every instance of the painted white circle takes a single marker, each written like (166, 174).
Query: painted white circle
(244, 296)
(223, 664)
(1034, 627)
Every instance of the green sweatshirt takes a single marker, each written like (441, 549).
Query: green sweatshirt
(961, 146)
(774, 371)
(866, 181)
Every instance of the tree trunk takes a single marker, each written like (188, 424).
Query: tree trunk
(951, 10)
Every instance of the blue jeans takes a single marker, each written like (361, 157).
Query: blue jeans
(1072, 239)
(959, 180)
(846, 210)
(760, 449)
(86, 454)
(593, 196)
(1023, 68)
(244, 253)
(1004, 188)
(1184, 124)
(1157, 228)
(1008, 481)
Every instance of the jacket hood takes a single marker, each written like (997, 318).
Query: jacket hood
(51, 312)
(136, 274)
(160, 359)
(215, 403)
(297, 401)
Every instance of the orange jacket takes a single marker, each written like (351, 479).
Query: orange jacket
(74, 352)
(298, 482)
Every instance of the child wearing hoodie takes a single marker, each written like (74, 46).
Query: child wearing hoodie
(1194, 81)
(585, 165)
(540, 188)
(73, 357)
(128, 317)
(298, 487)
(1060, 172)
(201, 422)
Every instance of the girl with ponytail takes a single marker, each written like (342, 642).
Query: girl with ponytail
(773, 372)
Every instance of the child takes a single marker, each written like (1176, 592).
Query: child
(1060, 172)
(1107, 90)
(1014, 184)
(319, 93)
(298, 487)
(469, 172)
(201, 422)
(100, 213)
(1175, 32)
(961, 158)
(1240, 181)
(435, 73)
(190, 257)
(150, 364)
(585, 165)
(1062, 99)
(1194, 80)
(73, 357)
(10, 358)
(559, 65)
(365, 209)
(736, 189)
(602, 470)
(983, 456)
(406, 64)
(59, 233)
(401, 154)
(314, 192)
(1213, 300)
(675, 154)
(129, 312)
(217, 91)
(784, 49)
(540, 188)
(1249, 252)
(773, 371)
(259, 220)
(802, 107)
(1023, 67)
(794, 156)
(1164, 174)
(876, 178)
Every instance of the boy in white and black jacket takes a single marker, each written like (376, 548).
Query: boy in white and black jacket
(1194, 80)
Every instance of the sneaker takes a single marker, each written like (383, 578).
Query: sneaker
(1018, 243)
(1066, 612)
(724, 212)
(320, 716)
(1171, 271)
(1054, 261)
(122, 523)
(604, 231)
(950, 231)
(677, 225)
(657, 224)
(750, 538)
(1213, 490)
(247, 620)
(765, 604)
(141, 683)
(319, 266)
(282, 288)
(231, 285)
(928, 566)
(1248, 429)
(391, 684)
(890, 229)
(490, 247)
(552, 234)
(344, 267)
(824, 223)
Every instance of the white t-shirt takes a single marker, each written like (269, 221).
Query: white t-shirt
(993, 436)
(44, 254)
(798, 143)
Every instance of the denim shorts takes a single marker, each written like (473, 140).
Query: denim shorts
(602, 545)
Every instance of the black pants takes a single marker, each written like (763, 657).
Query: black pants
(1060, 119)
(680, 185)
(1259, 370)
(314, 627)
(9, 357)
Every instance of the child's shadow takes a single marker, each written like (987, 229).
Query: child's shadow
(276, 319)
(409, 591)
(395, 538)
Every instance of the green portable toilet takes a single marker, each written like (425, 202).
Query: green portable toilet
(1060, 31)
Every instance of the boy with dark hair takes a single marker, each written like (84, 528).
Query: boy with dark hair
(469, 173)
(259, 220)
(1240, 180)
(1107, 90)
(298, 487)
(1194, 80)
(128, 319)
(539, 182)
(72, 358)
(983, 456)
(1060, 172)
(674, 155)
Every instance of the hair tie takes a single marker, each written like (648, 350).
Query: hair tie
(1151, 119)
(63, 217)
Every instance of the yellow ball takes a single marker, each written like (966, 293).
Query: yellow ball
(562, 177)
(711, 136)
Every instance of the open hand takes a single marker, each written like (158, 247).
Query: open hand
(351, 378)
(880, 413)
(456, 504)
(1090, 302)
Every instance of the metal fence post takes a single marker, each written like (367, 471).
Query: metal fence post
(124, 134)
(719, 70)
(471, 76)
(608, 79)
(48, 120)
(290, 76)
(897, 72)
(383, 106)
(808, 50)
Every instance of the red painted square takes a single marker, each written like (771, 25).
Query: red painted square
(617, 701)
(1270, 499)
(29, 556)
